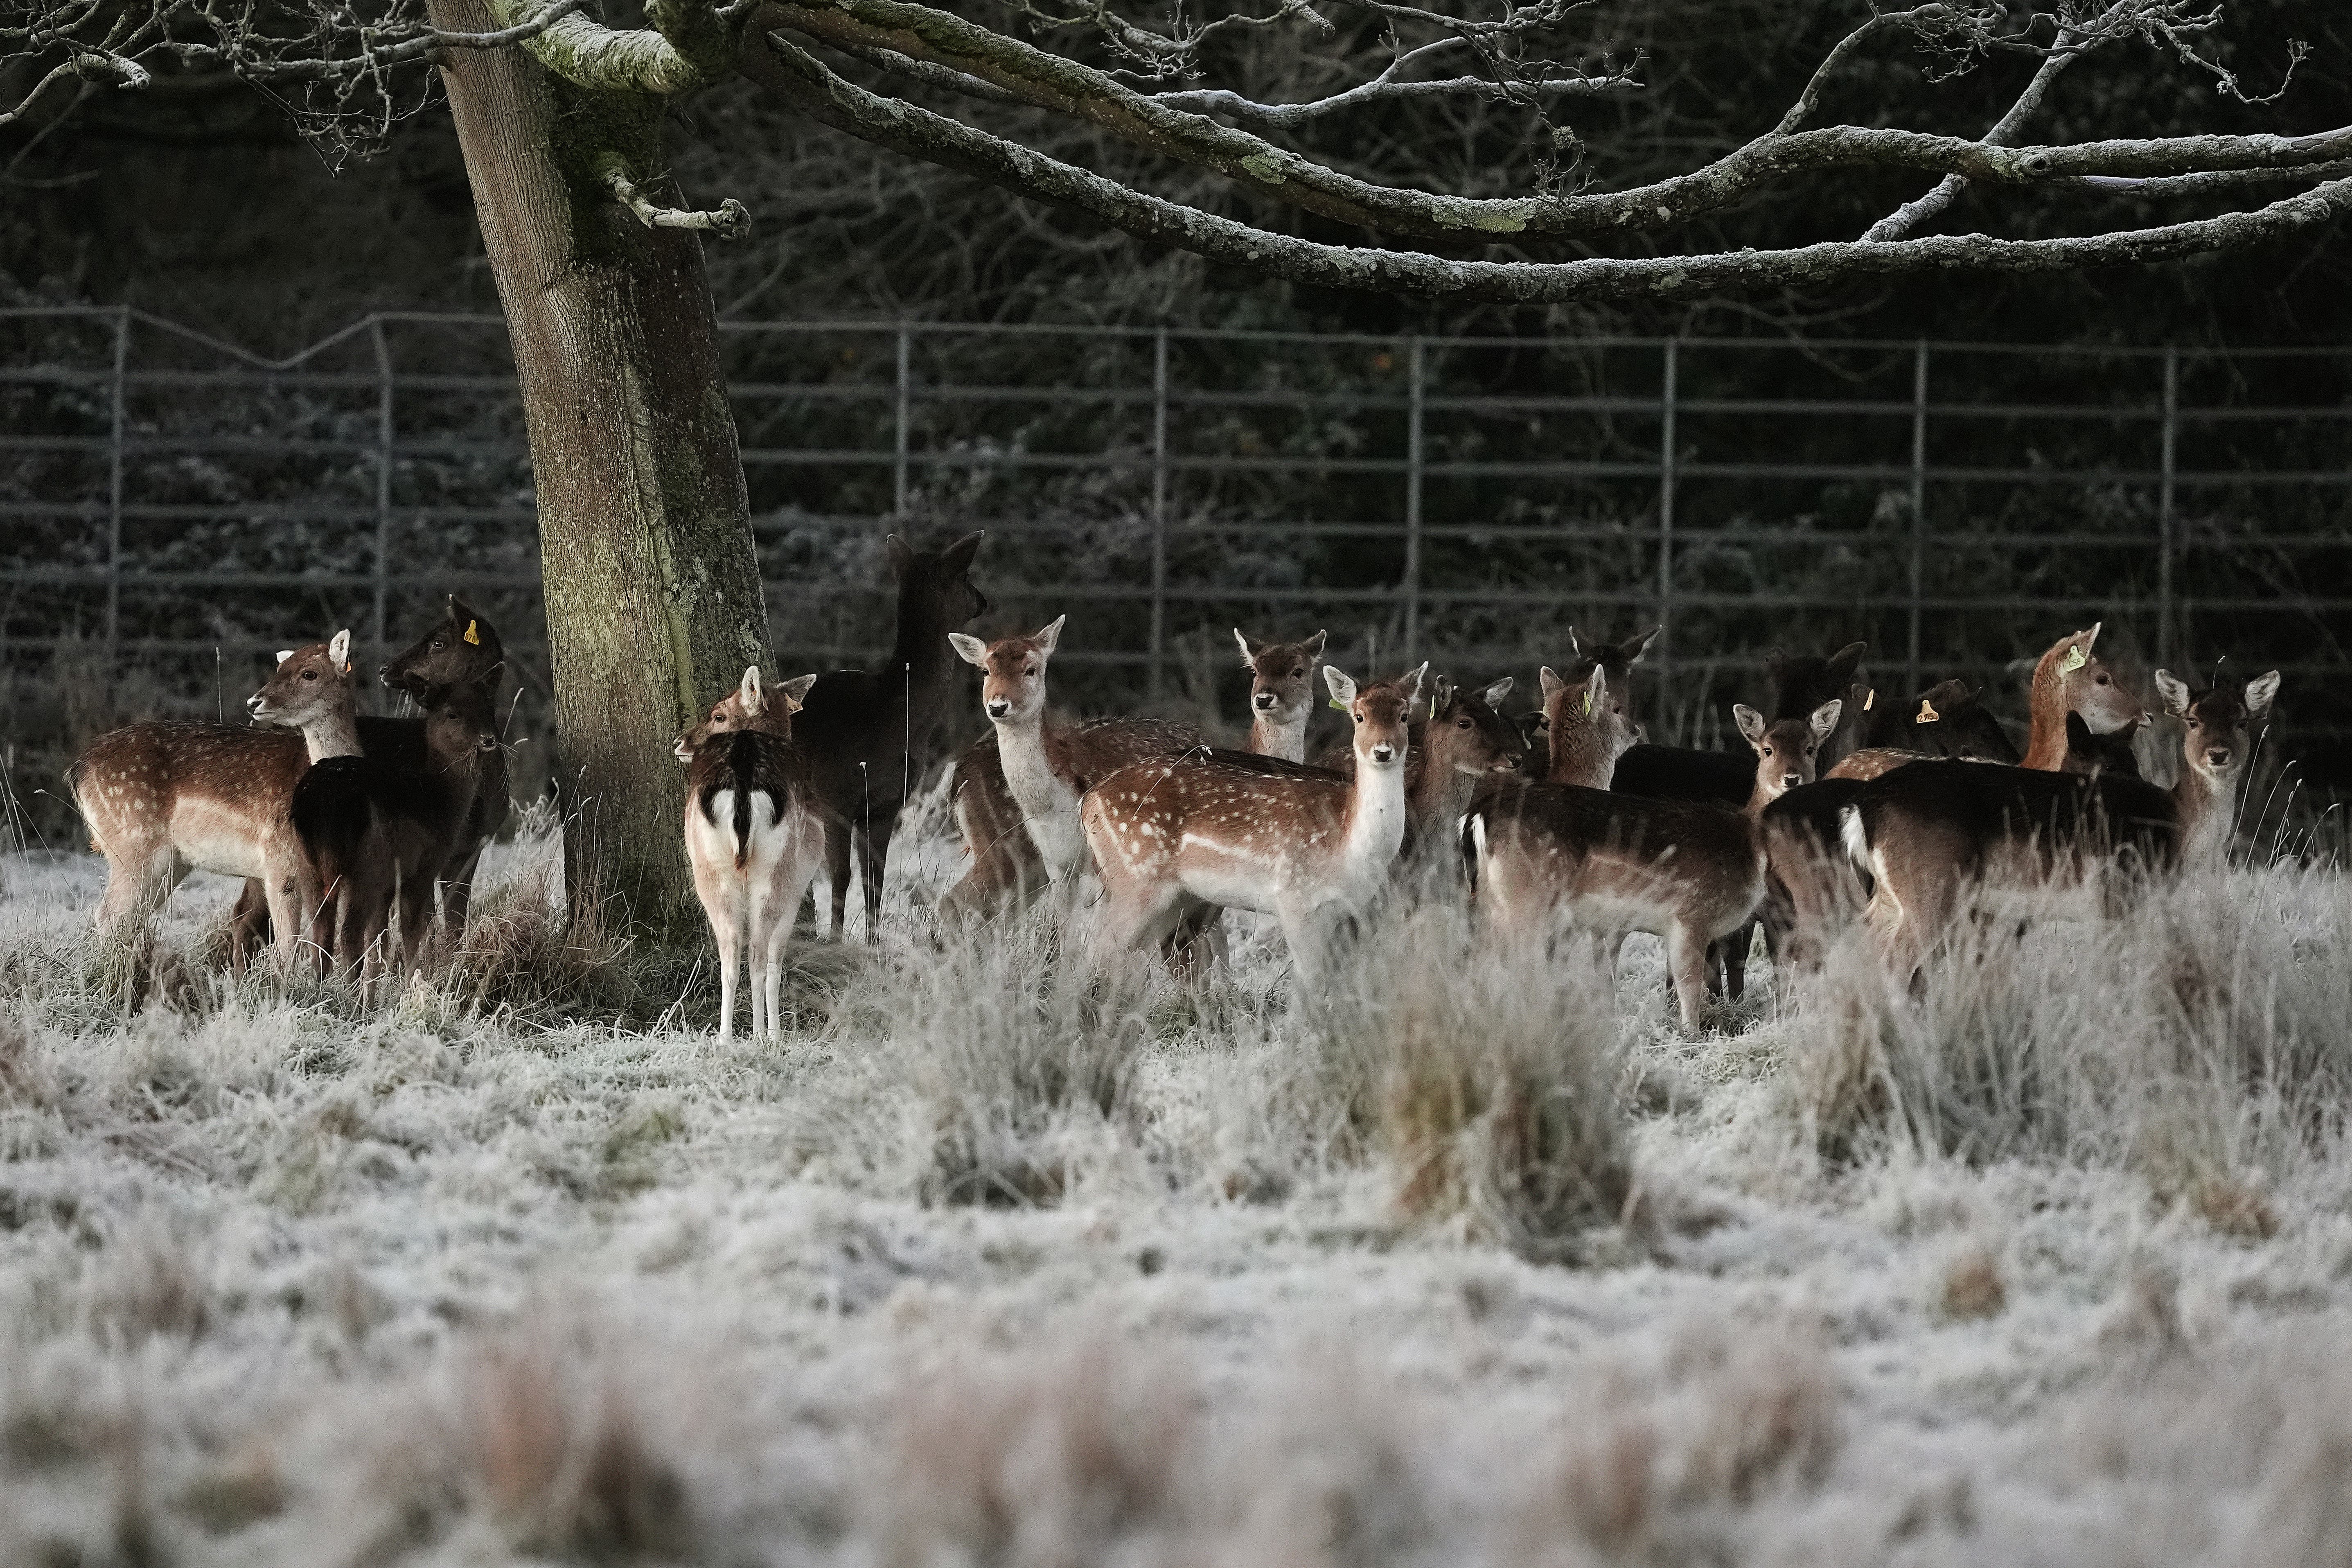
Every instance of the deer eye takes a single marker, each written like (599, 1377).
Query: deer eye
(2103, 680)
(436, 645)
(1357, 718)
(1031, 669)
(310, 675)
(1298, 674)
(1461, 723)
(1767, 750)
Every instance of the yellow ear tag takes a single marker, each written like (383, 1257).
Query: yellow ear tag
(1587, 702)
(1337, 706)
(1868, 698)
(473, 635)
(1927, 714)
(347, 667)
(2075, 659)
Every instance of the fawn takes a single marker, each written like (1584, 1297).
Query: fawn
(868, 735)
(461, 649)
(163, 798)
(1282, 693)
(755, 835)
(2214, 753)
(377, 834)
(1687, 870)
(1196, 829)
(1045, 764)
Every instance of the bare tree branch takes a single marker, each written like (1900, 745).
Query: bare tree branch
(731, 221)
(776, 62)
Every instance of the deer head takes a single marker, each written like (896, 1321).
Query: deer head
(1382, 714)
(1013, 690)
(752, 705)
(2221, 722)
(462, 649)
(1282, 677)
(1786, 748)
(2082, 683)
(1589, 725)
(1466, 735)
(939, 579)
(310, 684)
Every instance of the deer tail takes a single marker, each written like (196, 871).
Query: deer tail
(739, 764)
(1854, 834)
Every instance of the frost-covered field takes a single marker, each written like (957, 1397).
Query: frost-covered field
(1476, 1264)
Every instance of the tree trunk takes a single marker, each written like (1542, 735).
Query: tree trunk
(654, 602)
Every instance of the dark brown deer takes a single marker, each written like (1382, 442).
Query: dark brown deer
(1282, 693)
(1947, 719)
(164, 798)
(755, 834)
(1172, 836)
(868, 735)
(461, 649)
(378, 835)
(2091, 755)
(2220, 724)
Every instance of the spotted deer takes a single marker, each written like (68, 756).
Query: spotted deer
(2220, 723)
(755, 836)
(163, 798)
(377, 835)
(1309, 851)
(1282, 693)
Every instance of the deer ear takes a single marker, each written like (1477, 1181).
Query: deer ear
(1825, 719)
(1548, 682)
(968, 648)
(1846, 661)
(795, 691)
(284, 654)
(1750, 723)
(1575, 648)
(901, 554)
(753, 698)
(958, 557)
(1249, 650)
(1440, 698)
(1048, 635)
(1314, 646)
(2174, 693)
(1637, 647)
(1493, 696)
(338, 650)
(1596, 687)
(1415, 682)
(2260, 691)
(1342, 685)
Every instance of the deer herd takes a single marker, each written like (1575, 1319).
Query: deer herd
(359, 836)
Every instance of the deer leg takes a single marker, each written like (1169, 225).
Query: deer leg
(137, 882)
(1687, 952)
(456, 899)
(873, 854)
(836, 874)
(248, 925)
(1735, 960)
(797, 872)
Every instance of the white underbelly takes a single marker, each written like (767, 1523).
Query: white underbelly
(212, 836)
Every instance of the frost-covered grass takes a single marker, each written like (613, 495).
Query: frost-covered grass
(1475, 1260)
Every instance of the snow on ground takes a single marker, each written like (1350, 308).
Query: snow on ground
(288, 1280)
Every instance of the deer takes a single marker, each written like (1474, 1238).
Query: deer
(1282, 693)
(1617, 658)
(755, 837)
(867, 736)
(2219, 724)
(1947, 719)
(378, 834)
(2069, 678)
(1170, 836)
(2091, 755)
(461, 649)
(164, 797)
(1045, 764)
(1690, 872)
(1798, 684)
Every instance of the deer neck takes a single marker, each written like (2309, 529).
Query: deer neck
(922, 671)
(1579, 756)
(1435, 791)
(1375, 821)
(1039, 782)
(1758, 799)
(2203, 802)
(334, 735)
(2045, 746)
(1271, 737)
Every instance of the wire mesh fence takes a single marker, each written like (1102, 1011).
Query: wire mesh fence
(173, 507)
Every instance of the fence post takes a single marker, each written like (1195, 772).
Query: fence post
(1159, 506)
(1413, 468)
(2166, 545)
(1665, 650)
(1918, 508)
(898, 447)
(114, 492)
(383, 423)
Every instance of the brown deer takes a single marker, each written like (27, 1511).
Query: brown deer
(377, 835)
(1689, 871)
(1812, 889)
(2069, 678)
(461, 649)
(1170, 836)
(1045, 764)
(2218, 742)
(1947, 719)
(163, 798)
(755, 835)
(868, 735)
(1282, 693)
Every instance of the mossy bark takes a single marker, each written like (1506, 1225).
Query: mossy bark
(653, 602)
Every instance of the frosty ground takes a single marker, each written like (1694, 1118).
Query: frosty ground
(1473, 1262)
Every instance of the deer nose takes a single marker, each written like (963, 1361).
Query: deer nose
(1383, 753)
(1791, 781)
(2219, 756)
(998, 707)
(1263, 700)
(253, 704)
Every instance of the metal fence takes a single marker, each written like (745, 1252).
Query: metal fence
(168, 499)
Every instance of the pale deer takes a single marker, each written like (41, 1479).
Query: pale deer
(462, 649)
(1545, 854)
(164, 798)
(1170, 836)
(1282, 693)
(2069, 678)
(1045, 762)
(377, 835)
(755, 836)
(2220, 723)
(868, 735)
